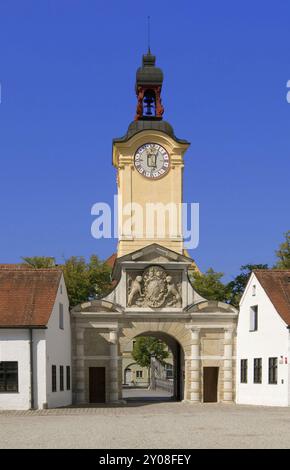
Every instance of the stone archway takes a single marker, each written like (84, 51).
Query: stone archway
(174, 346)
(205, 330)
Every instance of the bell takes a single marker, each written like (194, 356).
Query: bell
(148, 101)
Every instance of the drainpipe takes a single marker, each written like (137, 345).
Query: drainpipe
(31, 369)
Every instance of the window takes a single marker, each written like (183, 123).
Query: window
(254, 290)
(254, 318)
(61, 316)
(68, 377)
(244, 371)
(8, 377)
(258, 371)
(169, 371)
(60, 289)
(273, 370)
(61, 378)
(139, 374)
(53, 378)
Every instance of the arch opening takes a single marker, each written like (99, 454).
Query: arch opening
(149, 103)
(154, 378)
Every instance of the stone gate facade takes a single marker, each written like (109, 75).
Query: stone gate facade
(153, 296)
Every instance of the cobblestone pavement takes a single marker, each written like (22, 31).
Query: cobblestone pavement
(147, 425)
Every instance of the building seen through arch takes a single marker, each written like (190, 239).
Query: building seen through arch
(161, 376)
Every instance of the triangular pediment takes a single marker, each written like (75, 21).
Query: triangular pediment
(154, 253)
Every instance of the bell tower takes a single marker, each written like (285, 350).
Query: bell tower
(149, 163)
(148, 87)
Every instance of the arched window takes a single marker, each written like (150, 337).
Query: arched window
(149, 103)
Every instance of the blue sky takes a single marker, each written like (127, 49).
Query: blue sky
(67, 72)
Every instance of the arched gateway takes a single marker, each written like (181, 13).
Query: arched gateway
(204, 331)
(152, 294)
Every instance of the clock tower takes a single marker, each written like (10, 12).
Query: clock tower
(152, 294)
(149, 163)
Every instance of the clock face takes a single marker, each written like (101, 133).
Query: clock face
(152, 161)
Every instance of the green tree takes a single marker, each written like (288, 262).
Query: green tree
(237, 286)
(85, 281)
(39, 262)
(146, 347)
(99, 277)
(209, 285)
(283, 253)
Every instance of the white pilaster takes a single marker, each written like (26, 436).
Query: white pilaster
(228, 365)
(80, 365)
(194, 386)
(114, 386)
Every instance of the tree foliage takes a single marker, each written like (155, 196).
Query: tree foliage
(237, 286)
(39, 262)
(210, 286)
(147, 346)
(86, 280)
(283, 253)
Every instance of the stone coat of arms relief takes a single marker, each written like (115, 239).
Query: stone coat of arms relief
(154, 288)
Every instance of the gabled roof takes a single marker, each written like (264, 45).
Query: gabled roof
(193, 267)
(155, 248)
(276, 284)
(27, 295)
(143, 254)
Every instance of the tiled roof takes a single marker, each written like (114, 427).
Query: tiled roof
(111, 260)
(276, 283)
(16, 266)
(27, 295)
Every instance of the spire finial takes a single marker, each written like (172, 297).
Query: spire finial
(148, 33)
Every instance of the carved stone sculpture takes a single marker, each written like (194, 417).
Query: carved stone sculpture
(155, 288)
(173, 295)
(135, 290)
(154, 279)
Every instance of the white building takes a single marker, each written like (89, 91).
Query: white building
(35, 339)
(263, 340)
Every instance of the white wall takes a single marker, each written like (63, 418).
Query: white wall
(50, 346)
(14, 346)
(270, 340)
(58, 350)
(39, 367)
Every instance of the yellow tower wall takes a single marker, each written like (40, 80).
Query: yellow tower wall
(139, 222)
